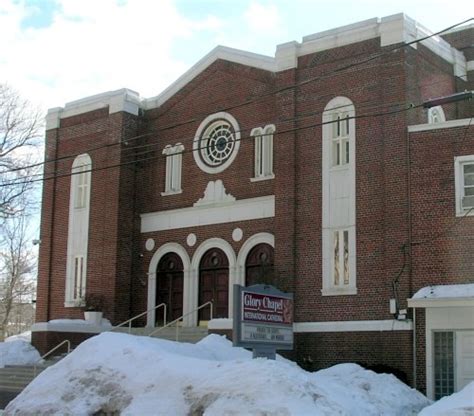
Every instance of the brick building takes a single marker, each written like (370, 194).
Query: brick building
(316, 170)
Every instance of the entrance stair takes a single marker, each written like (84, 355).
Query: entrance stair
(183, 334)
(14, 378)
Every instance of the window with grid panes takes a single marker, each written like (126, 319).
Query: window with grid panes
(340, 139)
(443, 364)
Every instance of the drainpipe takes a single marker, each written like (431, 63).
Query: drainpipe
(414, 349)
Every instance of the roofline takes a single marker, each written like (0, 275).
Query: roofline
(391, 30)
(440, 302)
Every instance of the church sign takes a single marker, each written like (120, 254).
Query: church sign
(263, 319)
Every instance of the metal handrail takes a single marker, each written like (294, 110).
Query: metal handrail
(209, 303)
(66, 341)
(129, 321)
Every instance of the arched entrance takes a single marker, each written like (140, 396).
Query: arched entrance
(169, 286)
(259, 265)
(214, 283)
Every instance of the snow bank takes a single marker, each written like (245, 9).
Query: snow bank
(458, 404)
(17, 352)
(114, 372)
(24, 336)
(446, 291)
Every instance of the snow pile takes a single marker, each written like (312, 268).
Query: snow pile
(24, 336)
(133, 375)
(458, 404)
(446, 291)
(18, 352)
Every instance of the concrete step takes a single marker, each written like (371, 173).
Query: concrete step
(185, 334)
(14, 378)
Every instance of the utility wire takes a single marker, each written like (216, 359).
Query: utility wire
(150, 145)
(362, 116)
(320, 77)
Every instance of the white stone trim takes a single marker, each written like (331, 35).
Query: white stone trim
(215, 194)
(78, 230)
(120, 100)
(194, 274)
(242, 210)
(222, 115)
(266, 63)
(436, 111)
(82, 328)
(339, 209)
(354, 326)
(174, 161)
(151, 298)
(446, 125)
(459, 184)
(393, 29)
(249, 244)
(335, 326)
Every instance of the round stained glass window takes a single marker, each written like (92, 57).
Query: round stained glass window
(216, 142)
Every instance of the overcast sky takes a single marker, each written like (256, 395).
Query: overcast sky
(56, 51)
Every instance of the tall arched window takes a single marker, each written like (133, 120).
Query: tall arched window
(78, 230)
(339, 227)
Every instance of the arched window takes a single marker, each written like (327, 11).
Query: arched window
(259, 265)
(436, 115)
(339, 227)
(78, 230)
(263, 152)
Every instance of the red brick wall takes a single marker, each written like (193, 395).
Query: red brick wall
(118, 262)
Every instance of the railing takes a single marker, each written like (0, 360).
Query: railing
(156, 331)
(66, 341)
(129, 321)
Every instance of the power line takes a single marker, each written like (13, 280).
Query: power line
(362, 116)
(149, 145)
(295, 85)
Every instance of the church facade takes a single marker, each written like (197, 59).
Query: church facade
(317, 171)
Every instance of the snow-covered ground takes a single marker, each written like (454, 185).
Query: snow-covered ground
(17, 352)
(458, 404)
(24, 336)
(142, 376)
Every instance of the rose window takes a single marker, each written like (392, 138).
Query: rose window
(217, 143)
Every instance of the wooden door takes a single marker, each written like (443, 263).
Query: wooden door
(169, 287)
(259, 265)
(214, 284)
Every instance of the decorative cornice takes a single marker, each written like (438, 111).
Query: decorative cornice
(120, 100)
(394, 29)
(214, 194)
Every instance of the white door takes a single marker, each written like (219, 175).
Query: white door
(464, 358)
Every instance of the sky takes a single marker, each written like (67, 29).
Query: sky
(57, 51)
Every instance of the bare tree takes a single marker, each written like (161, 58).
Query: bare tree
(20, 128)
(17, 266)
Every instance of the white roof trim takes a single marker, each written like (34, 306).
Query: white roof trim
(393, 29)
(440, 302)
(445, 125)
(119, 100)
(264, 62)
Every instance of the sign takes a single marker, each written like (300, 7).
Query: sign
(263, 319)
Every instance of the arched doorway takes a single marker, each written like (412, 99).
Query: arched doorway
(259, 265)
(214, 283)
(169, 286)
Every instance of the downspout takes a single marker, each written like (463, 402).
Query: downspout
(53, 210)
(414, 349)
